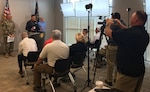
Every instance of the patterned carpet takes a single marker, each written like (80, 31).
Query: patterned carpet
(10, 80)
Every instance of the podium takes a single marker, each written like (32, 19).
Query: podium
(39, 38)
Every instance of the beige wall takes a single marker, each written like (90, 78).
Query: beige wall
(121, 5)
(58, 16)
(21, 11)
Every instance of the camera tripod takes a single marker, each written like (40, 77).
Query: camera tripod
(97, 52)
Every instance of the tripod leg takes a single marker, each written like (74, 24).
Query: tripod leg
(95, 70)
(87, 84)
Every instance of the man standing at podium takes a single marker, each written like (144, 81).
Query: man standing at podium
(32, 25)
(34, 32)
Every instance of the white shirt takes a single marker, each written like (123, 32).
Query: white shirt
(26, 45)
(54, 51)
(96, 37)
(103, 40)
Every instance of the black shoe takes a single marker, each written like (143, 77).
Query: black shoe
(108, 83)
(20, 72)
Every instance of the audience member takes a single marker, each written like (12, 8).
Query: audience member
(54, 51)
(79, 46)
(85, 33)
(96, 37)
(32, 25)
(25, 46)
(132, 43)
(111, 52)
(8, 27)
(34, 32)
(48, 41)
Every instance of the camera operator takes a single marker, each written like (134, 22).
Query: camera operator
(132, 43)
(112, 50)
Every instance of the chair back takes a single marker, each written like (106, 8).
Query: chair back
(96, 44)
(77, 59)
(33, 56)
(62, 65)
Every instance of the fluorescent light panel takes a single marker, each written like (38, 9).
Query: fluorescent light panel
(67, 9)
(100, 8)
(80, 9)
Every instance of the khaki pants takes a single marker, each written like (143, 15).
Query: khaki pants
(111, 52)
(43, 68)
(128, 84)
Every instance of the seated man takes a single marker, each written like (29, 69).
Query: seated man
(53, 51)
(85, 33)
(26, 45)
(96, 37)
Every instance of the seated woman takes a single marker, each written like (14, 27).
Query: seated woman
(79, 46)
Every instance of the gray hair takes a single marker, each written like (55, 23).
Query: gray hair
(56, 34)
(24, 34)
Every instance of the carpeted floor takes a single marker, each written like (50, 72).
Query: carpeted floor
(10, 80)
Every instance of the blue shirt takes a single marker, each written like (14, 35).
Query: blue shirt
(42, 26)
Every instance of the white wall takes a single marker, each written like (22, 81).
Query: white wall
(21, 11)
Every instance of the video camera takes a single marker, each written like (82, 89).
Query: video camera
(103, 23)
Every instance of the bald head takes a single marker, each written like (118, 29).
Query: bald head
(138, 18)
(24, 35)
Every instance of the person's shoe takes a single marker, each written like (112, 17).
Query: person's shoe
(108, 83)
(37, 88)
(6, 55)
(20, 72)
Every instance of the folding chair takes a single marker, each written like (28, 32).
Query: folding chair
(62, 68)
(101, 58)
(77, 62)
(30, 61)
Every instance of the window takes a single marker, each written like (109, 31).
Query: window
(76, 23)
